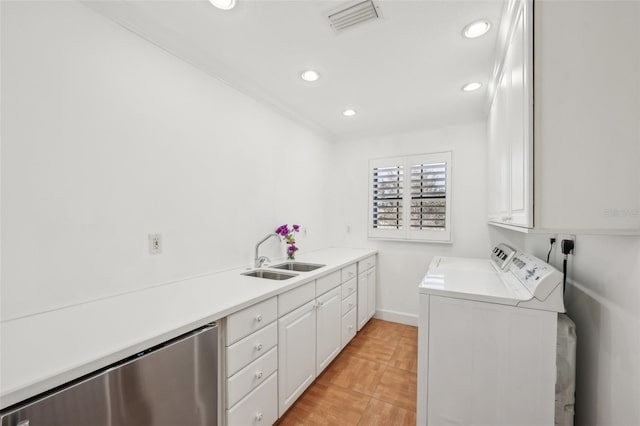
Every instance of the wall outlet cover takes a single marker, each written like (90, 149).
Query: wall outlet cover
(155, 243)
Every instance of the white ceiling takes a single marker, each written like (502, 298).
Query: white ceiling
(403, 72)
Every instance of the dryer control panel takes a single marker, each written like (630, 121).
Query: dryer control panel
(538, 276)
(501, 255)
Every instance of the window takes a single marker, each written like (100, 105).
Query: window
(410, 197)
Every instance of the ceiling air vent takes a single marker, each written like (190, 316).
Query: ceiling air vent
(354, 14)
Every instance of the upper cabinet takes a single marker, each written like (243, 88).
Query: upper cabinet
(587, 116)
(583, 129)
(510, 122)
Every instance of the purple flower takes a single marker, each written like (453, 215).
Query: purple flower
(282, 230)
(296, 228)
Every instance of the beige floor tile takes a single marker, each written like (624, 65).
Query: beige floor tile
(326, 405)
(398, 387)
(380, 413)
(356, 374)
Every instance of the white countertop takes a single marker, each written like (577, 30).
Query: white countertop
(40, 352)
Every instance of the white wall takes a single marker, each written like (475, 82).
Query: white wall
(603, 299)
(106, 138)
(401, 265)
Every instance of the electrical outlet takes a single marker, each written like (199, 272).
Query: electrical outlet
(155, 243)
(571, 237)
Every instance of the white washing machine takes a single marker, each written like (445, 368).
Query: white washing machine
(487, 340)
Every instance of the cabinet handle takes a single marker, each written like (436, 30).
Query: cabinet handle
(350, 327)
(259, 416)
(258, 374)
(259, 347)
(259, 317)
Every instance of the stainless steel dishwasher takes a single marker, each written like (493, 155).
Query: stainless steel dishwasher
(175, 383)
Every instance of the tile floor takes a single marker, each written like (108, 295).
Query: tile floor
(371, 382)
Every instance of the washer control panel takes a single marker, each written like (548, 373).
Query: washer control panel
(539, 277)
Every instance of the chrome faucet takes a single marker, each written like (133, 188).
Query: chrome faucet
(258, 261)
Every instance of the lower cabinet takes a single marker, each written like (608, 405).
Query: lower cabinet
(349, 311)
(260, 407)
(276, 348)
(328, 333)
(366, 296)
(251, 363)
(296, 354)
(371, 292)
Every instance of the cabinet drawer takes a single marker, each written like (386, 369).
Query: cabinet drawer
(367, 263)
(349, 288)
(260, 407)
(348, 272)
(251, 319)
(327, 282)
(348, 327)
(251, 347)
(251, 376)
(292, 299)
(348, 304)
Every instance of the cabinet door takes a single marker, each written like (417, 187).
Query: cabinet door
(371, 292)
(510, 173)
(520, 118)
(296, 354)
(498, 164)
(363, 300)
(328, 320)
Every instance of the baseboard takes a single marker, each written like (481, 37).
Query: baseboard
(400, 317)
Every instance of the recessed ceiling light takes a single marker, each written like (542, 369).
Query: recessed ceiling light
(471, 87)
(476, 29)
(349, 112)
(223, 4)
(309, 75)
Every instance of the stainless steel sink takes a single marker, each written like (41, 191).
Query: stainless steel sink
(269, 275)
(297, 266)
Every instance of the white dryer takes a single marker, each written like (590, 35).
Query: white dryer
(487, 340)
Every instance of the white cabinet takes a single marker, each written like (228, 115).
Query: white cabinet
(250, 367)
(260, 407)
(587, 117)
(348, 310)
(319, 322)
(297, 354)
(366, 291)
(371, 292)
(510, 127)
(328, 330)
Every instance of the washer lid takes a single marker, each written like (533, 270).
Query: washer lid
(463, 264)
(484, 286)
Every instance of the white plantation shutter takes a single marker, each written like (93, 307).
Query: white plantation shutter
(410, 198)
(428, 196)
(387, 197)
